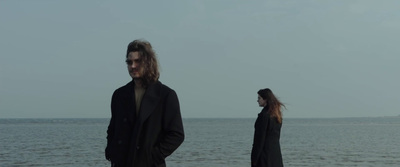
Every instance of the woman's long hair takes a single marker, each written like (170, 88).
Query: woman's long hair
(148, 60)
(274, 106)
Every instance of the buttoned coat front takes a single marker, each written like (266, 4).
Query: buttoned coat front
(147, 138)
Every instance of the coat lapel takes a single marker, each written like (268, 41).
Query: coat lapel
(130, 101)
(150, 100)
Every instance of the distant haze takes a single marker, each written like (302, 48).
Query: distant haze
(64, 59)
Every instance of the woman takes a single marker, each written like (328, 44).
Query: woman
(266, 150)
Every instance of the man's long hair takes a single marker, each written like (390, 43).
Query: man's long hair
(148, 62)
(274, 106)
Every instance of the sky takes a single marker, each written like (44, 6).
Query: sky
(322, 59)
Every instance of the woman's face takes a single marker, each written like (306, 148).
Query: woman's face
(261, 101)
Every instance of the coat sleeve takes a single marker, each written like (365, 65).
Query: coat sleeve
(259, 137)
(111, 127)
(172, 126)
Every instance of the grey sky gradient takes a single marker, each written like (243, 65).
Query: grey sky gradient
(64, 59)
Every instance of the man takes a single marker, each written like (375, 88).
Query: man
(146, 124)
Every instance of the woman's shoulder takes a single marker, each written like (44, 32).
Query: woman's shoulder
(264, 114)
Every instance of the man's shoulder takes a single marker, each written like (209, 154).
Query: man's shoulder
(165, 90)
(163, 86)
(124, 88)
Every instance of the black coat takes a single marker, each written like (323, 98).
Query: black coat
(266, 150)
(147, 139)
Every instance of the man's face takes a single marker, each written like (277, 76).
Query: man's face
(134, 63)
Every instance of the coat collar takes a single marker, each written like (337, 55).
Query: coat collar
(264, 111)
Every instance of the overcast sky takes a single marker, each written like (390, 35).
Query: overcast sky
(64, 59)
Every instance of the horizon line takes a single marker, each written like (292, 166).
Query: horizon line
(202, 117)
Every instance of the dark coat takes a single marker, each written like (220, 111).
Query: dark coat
(147, 139)
(266, 150)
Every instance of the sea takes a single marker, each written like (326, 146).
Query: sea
(217, 142)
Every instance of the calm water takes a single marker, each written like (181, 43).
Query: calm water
(209, 142)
